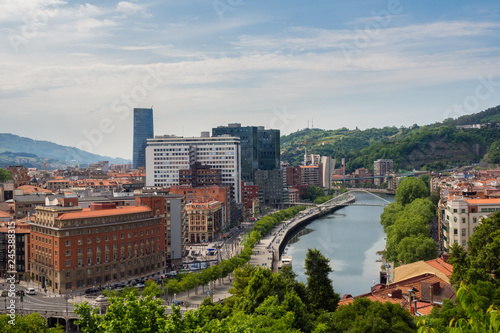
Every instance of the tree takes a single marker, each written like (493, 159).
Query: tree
(319, 286)
(426, 179)
(314, 192)
(5, 175)
(33, 323)
(364, 315)
(151, 288)
(410, 189)
(481, 262)
(494, 153)
(132, 314)
(391, 211)
(412, 249)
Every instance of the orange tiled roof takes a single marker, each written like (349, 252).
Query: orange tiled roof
(4, 214)
(104, 212)
(483, 201)
(441, 265)
(27, 189)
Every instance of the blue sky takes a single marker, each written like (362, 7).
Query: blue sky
(71, 71)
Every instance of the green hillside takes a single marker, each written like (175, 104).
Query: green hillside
(433, 147)
(32, 153)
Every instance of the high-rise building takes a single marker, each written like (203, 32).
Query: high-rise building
(382, 168)
(260, 148)
(328, 167)
(143, 130)
(166, 155)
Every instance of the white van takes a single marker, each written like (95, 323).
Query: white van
(30, 291)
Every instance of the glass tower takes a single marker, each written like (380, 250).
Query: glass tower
(143, 129)
(260, 148)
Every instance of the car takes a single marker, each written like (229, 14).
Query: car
(140, 285)
(30, 291)
(91, 290)
(5, 293)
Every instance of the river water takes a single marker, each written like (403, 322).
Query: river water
(350, 238)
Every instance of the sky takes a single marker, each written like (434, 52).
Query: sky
(71, 72)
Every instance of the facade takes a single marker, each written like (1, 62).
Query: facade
(171, 208)
(250, 199)
(310, 175)
(22, 249)
(268, 148)
(293, 176)
(206, 194)
(312, 159)
(361, 173)
(382, 167)
(200, 175)
(328, 164)
(260, 148)
(166, 155)
(293, 195)
(249, 147)
(205, 221)
(270, 184)
(459, 217)
(76, 248)
(26, 204)
(57, 185)
(143, 130)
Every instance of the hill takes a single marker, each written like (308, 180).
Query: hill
(32, 153)
(432, 147)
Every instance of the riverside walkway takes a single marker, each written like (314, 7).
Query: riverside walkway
(266, 252)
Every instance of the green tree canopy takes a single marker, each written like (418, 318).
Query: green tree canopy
(481, 261)
(410, 189)
(320, 291)
(364, 315)
(412, 249)
(33, 323)
(5, 175)
(494, 153)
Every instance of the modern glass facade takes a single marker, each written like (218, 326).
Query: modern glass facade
(260, 148)
(249, 151)
(143, 130)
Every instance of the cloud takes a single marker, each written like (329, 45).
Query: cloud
(129, 8)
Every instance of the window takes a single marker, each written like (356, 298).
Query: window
(68, 242)
(80, 251)
(89, 250)
(463, 219)
(68, 253)
(68, 264)
(455, 231)
(474, 220)
(89, 240)
(80, 241)
(68, 274)
(114, 237)
(98, 239)
(454, 210)
(463, 210)
(106, 238)
(463, 231)
(464, 243)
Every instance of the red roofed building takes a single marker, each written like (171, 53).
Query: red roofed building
(75, 248)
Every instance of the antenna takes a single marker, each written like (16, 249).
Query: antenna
(312, 122)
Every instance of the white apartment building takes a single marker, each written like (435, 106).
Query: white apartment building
(166, 155)
(459, 218)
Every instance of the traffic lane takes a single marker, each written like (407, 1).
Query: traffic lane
(41, 302)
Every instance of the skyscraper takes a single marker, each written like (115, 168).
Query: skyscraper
(143, 129)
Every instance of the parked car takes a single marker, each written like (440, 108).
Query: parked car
(140, 285)
(30, 291)
(5, 293)
(91, 290)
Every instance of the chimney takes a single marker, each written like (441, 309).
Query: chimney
(397, 293)
(445, 257)
(432, 293)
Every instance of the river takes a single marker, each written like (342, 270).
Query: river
(350, 238)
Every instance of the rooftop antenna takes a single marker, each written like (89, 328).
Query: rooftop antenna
(312, 122)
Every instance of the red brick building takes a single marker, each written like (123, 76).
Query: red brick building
(74, 248)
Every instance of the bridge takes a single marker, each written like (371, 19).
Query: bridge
(339, 198)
